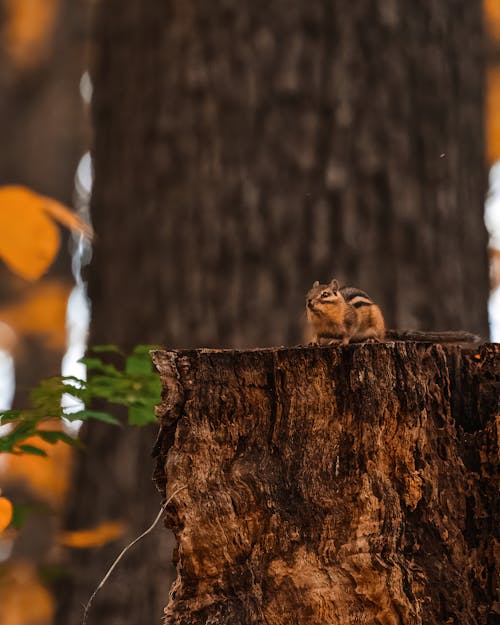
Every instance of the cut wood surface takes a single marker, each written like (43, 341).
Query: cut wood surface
(343, 485)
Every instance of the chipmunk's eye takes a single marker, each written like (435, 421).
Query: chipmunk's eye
(325, 294)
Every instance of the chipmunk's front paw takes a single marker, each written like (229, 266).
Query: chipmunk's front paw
(337, 341)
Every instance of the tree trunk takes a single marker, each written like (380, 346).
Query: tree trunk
(353, 485)
(243, 150)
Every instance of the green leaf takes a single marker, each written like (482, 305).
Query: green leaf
(22, 430)
(51, 574)
(22, 511)
(105, 417)
(31, 449)
(139, 362)
(138, 365)
(97, 365)
(145, 349)
(9, 416)
(6, 445)
(73, 382)
(53, 437)
(99, 349)
(134, 386)
(139, 415)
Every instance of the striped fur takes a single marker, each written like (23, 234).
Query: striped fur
(370, 320)
(356, 297)
(346, 314)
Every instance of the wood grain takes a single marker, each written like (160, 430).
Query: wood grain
(345, 485)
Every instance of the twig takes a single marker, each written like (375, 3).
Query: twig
(124, 551)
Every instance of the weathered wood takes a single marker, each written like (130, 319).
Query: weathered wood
(345, 485)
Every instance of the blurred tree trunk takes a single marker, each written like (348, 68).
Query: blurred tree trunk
(243, 151)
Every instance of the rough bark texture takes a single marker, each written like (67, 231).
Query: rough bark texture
(351, 485)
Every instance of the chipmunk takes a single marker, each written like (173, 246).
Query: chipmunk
(342, 315)
(349, 314)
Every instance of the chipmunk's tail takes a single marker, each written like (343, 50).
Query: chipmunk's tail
(423, 336)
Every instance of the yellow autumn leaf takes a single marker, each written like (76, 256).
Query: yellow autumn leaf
(95, 537)
(29, 240)
(493, 112)
(48, 477)
(5, 512)
(67, 218)
(24, 600)
(29, 26)
(42, 311)
(492, 12)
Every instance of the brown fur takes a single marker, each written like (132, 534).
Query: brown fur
(371, 323)
(342, 315)
(331, 318)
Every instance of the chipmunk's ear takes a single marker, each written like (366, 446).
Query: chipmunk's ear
(334, 285)
(315, 284)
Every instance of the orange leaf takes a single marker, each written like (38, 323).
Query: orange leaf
(492, 12)
(493, 112)
(48, 477)
(29, 25)
(29, 240)
(67, 218)
(22, 597)
(41, 312)
(100, 535)
(5, 513)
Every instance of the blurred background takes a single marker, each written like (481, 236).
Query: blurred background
(227, 156)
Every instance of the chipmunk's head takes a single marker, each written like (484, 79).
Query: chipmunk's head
(322, 296)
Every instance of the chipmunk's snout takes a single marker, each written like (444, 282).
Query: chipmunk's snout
(309, 302)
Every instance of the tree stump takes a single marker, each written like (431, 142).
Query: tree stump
(347, 485)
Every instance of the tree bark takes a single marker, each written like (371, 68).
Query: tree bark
(255, 148)
(348, 485)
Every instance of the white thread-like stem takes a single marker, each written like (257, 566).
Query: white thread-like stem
(124, 551)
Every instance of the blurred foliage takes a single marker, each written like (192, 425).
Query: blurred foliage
(22, 511)
(492, 23)
(46, 478)
(493, 112)
(28, 30)
(134, 386)
(492, 13)
(6, 512)
(40, 311)
(30, 239)
(22, 597)
(95, 537)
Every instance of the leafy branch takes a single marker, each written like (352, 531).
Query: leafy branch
(134, 385)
